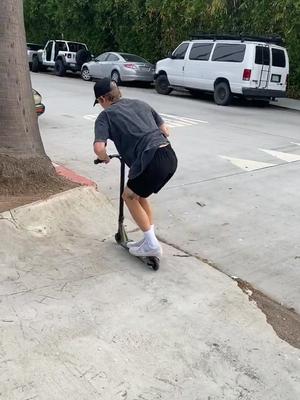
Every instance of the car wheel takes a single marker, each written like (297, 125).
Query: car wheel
(35, 65)
(60, 69)
(115, 76)
(162, 84)
(85, 74)
(222, 94)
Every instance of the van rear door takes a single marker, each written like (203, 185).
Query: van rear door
(279, 68)
(271, 67)
(262, 66)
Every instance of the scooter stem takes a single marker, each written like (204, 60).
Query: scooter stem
(122, 235)
(122, 184)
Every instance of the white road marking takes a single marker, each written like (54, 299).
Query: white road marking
(297, 144)
(91, 117)
(184, 119)
(172, 124)
(247, 165)
(288, 157)
(172, 121)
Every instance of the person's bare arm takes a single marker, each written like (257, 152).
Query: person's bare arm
(100, 151)
(165, 130)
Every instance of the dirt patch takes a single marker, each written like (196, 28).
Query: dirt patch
(29, 180)
(10, 201)
(285, 322)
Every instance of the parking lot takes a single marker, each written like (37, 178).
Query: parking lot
(234, 200)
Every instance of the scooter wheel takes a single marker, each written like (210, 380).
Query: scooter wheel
(118, 237)
(155, 264)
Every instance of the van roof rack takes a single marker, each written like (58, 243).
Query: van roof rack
(243, 38)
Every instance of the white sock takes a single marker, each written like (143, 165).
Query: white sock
(152, 228)
(150, 238)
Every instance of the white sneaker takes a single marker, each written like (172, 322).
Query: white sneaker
(146, 251)
(135, 244)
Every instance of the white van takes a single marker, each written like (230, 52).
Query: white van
(253, 67)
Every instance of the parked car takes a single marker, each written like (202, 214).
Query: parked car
(62, 56)
(39, 106)
(32, 49)
(120, 67)
(253, 67)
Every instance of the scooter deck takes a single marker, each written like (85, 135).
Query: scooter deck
(153, 262)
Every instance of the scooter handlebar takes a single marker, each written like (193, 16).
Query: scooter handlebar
(98, 161)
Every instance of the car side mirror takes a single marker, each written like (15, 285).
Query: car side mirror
(170, 55)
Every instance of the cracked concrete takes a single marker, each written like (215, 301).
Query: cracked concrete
(80, 319)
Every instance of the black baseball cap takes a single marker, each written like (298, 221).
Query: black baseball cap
(101, 88)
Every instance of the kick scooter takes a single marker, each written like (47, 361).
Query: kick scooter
(121, 236)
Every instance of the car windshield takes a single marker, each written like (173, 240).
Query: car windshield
(133, 58)
(74, 47)
(32, 46)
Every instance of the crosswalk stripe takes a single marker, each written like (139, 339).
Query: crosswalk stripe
(173, 123)
(91, 117)
(185, 119)
(247, 165)
(288, 157)
(171, 120)
(297, 144)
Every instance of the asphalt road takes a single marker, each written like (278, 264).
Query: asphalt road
(235, 199)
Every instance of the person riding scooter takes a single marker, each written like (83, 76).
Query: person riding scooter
(140, 136)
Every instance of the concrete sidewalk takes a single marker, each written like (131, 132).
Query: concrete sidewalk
(292, 104)
(80, 319)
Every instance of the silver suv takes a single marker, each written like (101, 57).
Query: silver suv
(62, 56)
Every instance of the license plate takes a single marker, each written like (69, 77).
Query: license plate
(275, 78)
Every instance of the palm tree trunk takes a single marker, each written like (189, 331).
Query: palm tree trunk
(23, 161)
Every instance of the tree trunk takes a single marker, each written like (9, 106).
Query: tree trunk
(23, 161)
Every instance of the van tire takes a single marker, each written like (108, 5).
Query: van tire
(222, 94)
(60, 69)
(162, 84)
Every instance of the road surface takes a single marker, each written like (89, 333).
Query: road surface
(235, 199)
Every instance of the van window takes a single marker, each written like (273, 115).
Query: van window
(229, 52)
(262, 55)
(201, 51)
(179, 53)
(278, 58)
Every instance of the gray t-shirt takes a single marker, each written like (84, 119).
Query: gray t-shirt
(133, 126)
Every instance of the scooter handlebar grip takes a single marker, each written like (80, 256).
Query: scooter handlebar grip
(98, 161)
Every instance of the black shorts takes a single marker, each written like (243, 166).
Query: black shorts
(159, 171)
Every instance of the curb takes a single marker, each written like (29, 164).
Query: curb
(73, 176)
(288, 104)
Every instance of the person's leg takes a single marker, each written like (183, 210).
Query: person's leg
(146, 206)
(149, 246)
(136, 209)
